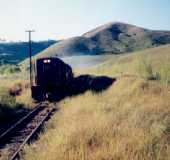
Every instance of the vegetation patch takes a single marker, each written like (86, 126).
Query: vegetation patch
(128, 121)
(8, 105)
(9, 69)
(149, 64)
(14, 96)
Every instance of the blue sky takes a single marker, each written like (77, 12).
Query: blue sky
(56, 19)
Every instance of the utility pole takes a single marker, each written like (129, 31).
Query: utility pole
(30, 54)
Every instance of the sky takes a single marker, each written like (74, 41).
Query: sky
(60, 19)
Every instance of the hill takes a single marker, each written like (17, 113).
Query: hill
(112, 38)
(14, 52)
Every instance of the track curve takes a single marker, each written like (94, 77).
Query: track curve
(13, 139)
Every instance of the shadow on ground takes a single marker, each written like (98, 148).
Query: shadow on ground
(81, 84)
(9, 116)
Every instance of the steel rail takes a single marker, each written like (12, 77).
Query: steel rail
(23, 131)
(14, 156)
(8, 131)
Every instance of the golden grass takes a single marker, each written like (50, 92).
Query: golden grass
(10, 81)
(128, 121)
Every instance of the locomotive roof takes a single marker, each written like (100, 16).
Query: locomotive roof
(55, 59)
(51, 58)
(42, 58)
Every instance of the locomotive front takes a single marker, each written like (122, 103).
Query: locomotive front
(52, 77)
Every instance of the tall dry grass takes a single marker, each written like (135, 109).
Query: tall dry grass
(131, 120)
(11, 105)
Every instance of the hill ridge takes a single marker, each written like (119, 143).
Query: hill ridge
(111, 38)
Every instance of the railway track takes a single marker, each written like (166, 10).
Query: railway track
(13, 139)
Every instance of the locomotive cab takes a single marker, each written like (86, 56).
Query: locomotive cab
(52, 77)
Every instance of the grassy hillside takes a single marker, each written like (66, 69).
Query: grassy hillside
(149, 63)
(112, 38)
(130, 120)
(80, 62)
(15, 52)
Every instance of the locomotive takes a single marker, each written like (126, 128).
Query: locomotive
(52, 78)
